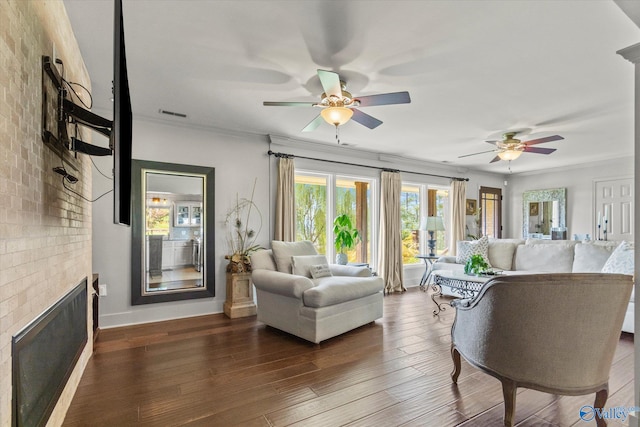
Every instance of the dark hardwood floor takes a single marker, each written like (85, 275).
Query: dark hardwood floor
(213, 371)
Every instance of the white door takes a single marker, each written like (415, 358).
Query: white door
(615, 197)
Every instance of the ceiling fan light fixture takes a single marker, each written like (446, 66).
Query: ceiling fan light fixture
(509, 154)
(336, 116)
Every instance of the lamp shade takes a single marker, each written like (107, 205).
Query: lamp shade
(509, 154)
(432, 223)
(336, 115)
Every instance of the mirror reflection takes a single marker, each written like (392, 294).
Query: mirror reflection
(172, 244)
(173, 232)
(544, 214)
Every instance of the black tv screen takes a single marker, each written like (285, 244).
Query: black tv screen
(121, 132)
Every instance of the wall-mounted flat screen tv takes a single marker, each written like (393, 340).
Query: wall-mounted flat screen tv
(121, 133)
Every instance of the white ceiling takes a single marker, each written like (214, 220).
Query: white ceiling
(473, 68)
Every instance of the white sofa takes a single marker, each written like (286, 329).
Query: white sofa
(547, 256)
(315, 309)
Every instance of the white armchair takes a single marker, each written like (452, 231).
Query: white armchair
(315, 309)
(555, 333)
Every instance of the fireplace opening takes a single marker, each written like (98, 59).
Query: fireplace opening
(44, 355)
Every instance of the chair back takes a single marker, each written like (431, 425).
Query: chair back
(263, 259)
(554, 332)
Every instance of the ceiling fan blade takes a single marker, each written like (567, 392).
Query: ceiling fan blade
(313, 124)
(492, 142)
(495, 159)
(542, 140)
(288, 104)
(539, 150)
(475, 154)
(384, 99)
(365, 119)
(330, 83)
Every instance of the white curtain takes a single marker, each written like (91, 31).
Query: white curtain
(458, 214)
(390, 258)
(285, 227)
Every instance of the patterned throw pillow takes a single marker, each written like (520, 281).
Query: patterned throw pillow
(321, 270)
(466, 248)
(621, 260)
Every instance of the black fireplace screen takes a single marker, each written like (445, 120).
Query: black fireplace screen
(44, 355)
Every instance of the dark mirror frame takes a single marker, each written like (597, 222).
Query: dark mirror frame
(137, 232)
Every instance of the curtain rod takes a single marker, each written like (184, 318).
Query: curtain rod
(291, 156)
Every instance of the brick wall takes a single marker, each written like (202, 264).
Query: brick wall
(45, 231)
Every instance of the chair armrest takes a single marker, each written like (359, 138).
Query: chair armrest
(275, 282)
(461, 303)
(349, 270)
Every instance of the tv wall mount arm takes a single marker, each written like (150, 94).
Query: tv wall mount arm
(69, 112)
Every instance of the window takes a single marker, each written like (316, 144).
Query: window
(353, 197)
(418, 201)
(311, 210)
(410, 218)
(319, 201)
(158, 220)
(490, 211)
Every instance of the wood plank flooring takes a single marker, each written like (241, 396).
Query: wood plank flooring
(214, 371)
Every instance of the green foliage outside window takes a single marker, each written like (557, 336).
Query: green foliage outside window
(311, 216)
(158, 221)
(410, 217)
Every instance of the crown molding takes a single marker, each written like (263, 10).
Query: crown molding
(631, 53)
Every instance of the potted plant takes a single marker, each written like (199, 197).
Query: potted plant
(476, 265)
(346, 237)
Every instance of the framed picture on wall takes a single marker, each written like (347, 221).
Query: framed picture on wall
(533, 209)
(471, 206)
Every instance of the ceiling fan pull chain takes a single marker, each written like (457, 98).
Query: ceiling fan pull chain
(337, 135)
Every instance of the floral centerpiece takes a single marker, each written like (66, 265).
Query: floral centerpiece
(242, 232)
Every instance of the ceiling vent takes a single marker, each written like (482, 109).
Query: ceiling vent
(172, 113)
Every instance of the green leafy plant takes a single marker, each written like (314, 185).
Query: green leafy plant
(476, 265)
(345, 235)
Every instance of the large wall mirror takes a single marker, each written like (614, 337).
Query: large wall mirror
(544, 213)
(172, 232)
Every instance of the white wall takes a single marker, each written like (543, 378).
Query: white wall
(238, 160)
(579, 182)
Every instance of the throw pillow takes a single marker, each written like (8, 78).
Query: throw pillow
(590, 258)
(466, 248)
(621, 260)
(300, 264)
(320, 270)
(283, 251)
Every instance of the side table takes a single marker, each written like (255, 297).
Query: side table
(428, 262)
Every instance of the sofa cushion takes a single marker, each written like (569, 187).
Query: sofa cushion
(590, 258)
(544, 258)
(337, 289)
(283, 251)
(466, 248)
(621, 260)
(501, 252)
(531, 241)
(300, 264)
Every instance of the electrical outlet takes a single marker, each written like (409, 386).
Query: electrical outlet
(102, 290)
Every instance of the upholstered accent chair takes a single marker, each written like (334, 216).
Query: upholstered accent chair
(555, 333)
(300, 293)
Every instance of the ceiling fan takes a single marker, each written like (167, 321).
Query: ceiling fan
(511, 148)
(338, 105)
